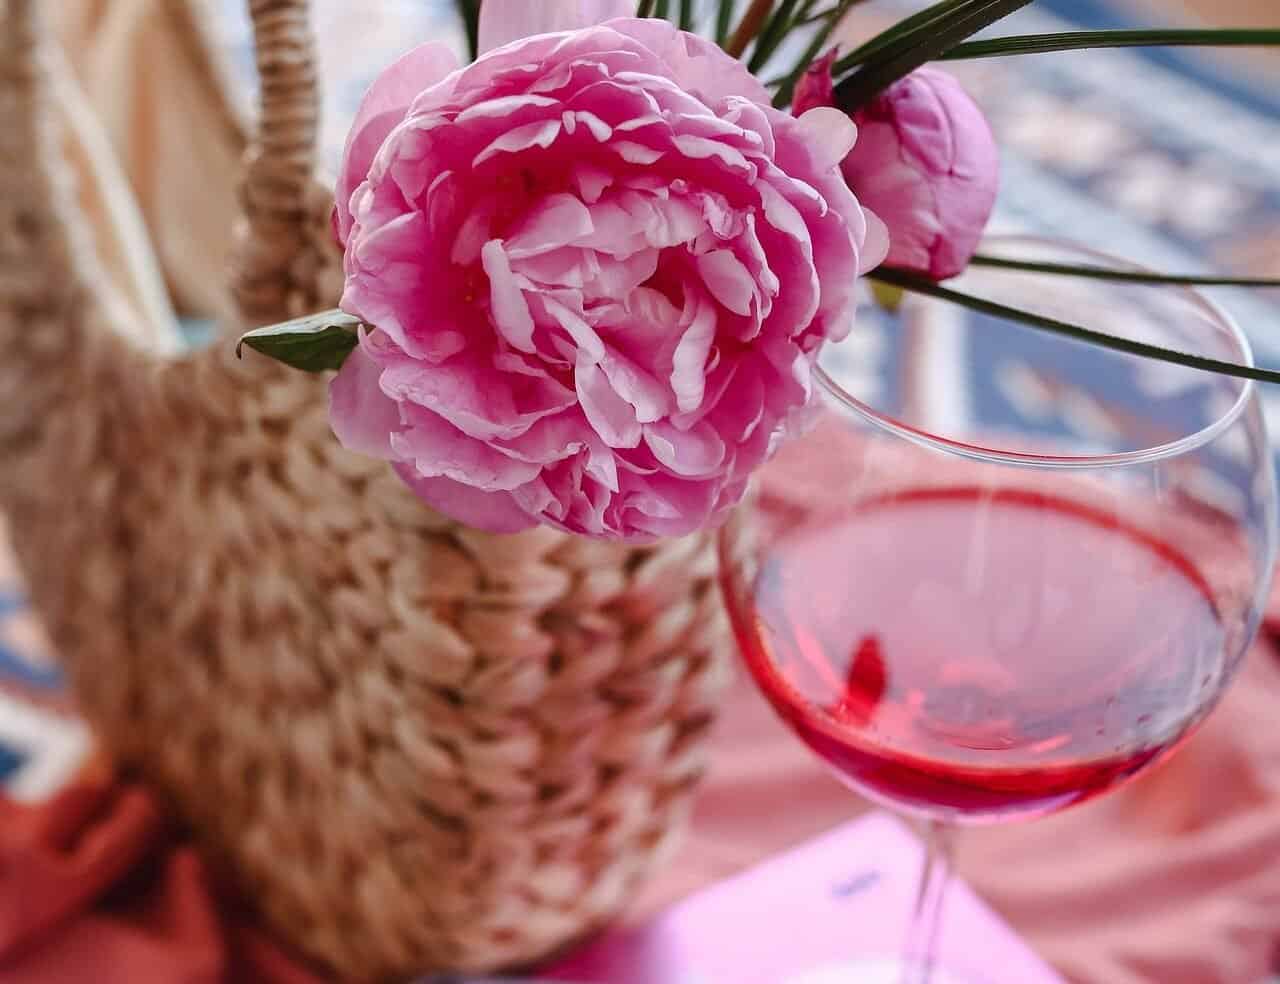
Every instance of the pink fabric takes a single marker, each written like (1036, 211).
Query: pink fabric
(1173, 879)
(600, 266)
(96, 885)
(1170, 880)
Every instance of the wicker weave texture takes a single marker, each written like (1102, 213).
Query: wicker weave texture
(417, 746)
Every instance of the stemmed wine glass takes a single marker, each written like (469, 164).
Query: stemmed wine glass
(1005, 572)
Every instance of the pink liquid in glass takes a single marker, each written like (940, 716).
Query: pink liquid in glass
(981, 655)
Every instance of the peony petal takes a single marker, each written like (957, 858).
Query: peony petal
(635, 153)
(602, 464)
(830, 135)
(537, 499)
(510, 309)
(503, 107)
(476, 230)
(737, 417)
(651, 398)
(696, 453)
(551, 439)
(688, 371)
(479, 401)
(875, 248)
(589, 346)
(755, 119)
(613, 418)
(618, 278)
(504, 21)
(383, 108)
(555, 221)
(541, 133)
(717, 384)
(663, 505)
(597, 127)
(591, 180)
(702, 148)
(362, 417)
(784, 216)
(816, 87)
(438, 449)
(493, 512)
(699, 66)
(728, 280)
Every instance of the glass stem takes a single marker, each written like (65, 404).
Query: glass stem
(926, 918)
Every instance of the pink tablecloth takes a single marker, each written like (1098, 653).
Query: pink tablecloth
(1175, 879)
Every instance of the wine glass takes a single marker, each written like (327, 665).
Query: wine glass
(1002, 572)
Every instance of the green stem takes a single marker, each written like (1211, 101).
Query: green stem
(686, 15)
(921, 285)
(814, 18)
(645, 9)
(1033, 44)
(920, 47)
(1123, 276)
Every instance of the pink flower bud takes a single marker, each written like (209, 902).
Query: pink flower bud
(925, 162)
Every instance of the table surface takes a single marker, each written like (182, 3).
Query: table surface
(1176, 164)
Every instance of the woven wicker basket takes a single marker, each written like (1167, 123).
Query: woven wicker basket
(417, 746)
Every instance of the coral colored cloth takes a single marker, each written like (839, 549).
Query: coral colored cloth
(95, 885)
(1174, 879)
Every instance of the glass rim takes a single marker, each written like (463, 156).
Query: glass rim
(1160, 452)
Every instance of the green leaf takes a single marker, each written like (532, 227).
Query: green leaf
(316, 343)
(686, 15)
(661, 9)
(834, 17)
(775, 30)
(809, 17)
(924, 19)
(1124, 276)
(903, 55)
(922, 285)
(1033, 44)
(470, 12)
(724, 20)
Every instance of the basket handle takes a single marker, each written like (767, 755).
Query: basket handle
(277, 190)
(38, 247)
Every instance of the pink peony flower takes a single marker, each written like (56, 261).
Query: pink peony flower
(600, 268)
(926, 163)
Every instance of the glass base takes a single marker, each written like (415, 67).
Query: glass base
(870, 970)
